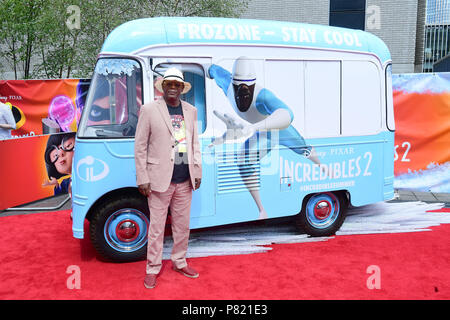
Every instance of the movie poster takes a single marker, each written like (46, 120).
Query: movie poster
(44, 106)
(35, 168)
(36, 162)
(422, 136)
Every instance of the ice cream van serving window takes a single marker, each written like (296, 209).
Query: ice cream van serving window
(114, 97)
(194, 74)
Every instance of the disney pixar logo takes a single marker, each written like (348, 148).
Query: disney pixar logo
(91, 169)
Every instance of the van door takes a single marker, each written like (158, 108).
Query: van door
(237, 154)
(194, 72)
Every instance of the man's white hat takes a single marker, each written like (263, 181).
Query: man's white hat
(173, 74)
(244, 71)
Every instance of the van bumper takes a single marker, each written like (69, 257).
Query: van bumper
(78, 216)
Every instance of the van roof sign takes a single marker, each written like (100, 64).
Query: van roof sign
(133, 36)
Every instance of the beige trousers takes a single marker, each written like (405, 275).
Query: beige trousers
(178, 197)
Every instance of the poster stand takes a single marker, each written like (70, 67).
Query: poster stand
(63, 202)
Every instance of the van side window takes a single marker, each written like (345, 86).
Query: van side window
(195, 75)
(283, 78)
(329, 98)
(361, 98)
(389, 99)
(114, 97)
(311, 89)
(322, 99)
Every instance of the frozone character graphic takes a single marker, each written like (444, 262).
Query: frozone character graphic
(261, 109)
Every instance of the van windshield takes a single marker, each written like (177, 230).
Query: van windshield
(114, 98)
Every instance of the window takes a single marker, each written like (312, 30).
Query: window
(193, 74)
(114, 97)
(361, 98)
(285, 79)
(312, 91)
(389, 99)
(322, 98)
(348, 13)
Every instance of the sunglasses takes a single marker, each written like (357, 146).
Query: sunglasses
(66, 146)
(176, 84)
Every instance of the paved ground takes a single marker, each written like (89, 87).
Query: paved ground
(407, 195)
(62, 203)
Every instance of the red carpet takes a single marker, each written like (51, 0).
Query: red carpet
(36, 250)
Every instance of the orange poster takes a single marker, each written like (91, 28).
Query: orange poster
(44, 106)
(35, 164)
(422, 136)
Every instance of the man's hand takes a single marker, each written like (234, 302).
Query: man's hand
(144, 189)
(198, 181)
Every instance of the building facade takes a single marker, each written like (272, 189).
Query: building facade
(400, 24)
(437, 36)
(416, 40)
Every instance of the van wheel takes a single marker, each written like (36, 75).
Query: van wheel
(322, 214)
(119, 228)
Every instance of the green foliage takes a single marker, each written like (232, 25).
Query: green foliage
(41, 38)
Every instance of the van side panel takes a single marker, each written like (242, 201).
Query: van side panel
(326, 81)
(388, 186)
(133, 36)
(348, 164)
(100, 166)
(284, 178)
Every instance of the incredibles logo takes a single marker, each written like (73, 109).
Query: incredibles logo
(91, 169)
(18, 114)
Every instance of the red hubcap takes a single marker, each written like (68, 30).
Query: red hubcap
(127, 230)
(322, 209)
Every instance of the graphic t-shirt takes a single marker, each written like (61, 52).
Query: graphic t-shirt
(181, 168)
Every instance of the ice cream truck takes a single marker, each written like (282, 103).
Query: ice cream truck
(293, 120)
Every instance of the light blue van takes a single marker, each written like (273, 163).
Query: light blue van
(294, 120)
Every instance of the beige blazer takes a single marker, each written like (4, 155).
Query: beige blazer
(155, 144)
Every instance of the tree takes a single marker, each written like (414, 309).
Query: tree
(39, 31)
(206, 8)
(56, 41)
(18, 33)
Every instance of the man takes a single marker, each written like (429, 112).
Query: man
(7, 122)
(168, 167)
